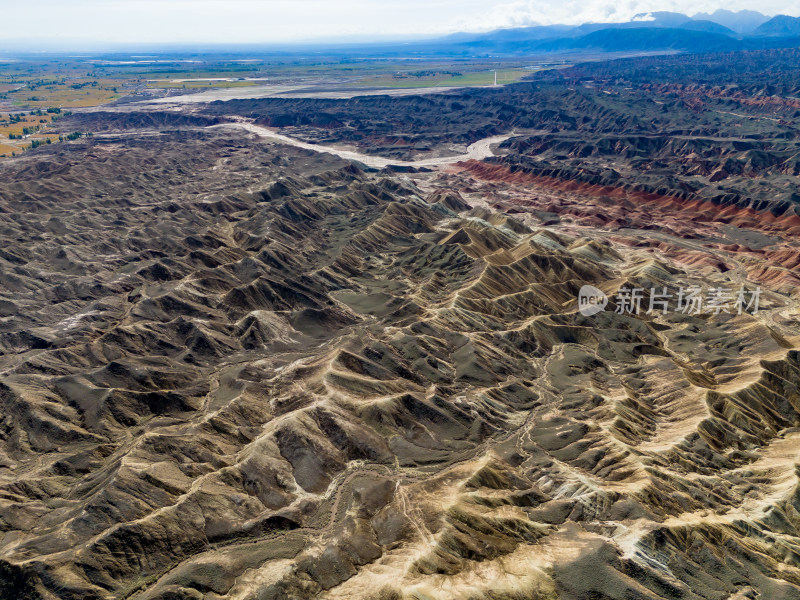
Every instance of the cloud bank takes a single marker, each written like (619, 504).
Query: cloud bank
(280, 21)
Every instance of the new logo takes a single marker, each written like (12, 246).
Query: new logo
(591, 300)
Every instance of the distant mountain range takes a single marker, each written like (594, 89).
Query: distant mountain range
(744, 21)
(721, 30)
(780, 26)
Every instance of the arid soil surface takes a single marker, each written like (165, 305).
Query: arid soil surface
(238, 365)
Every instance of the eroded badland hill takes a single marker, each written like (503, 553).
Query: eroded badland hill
(232, 367)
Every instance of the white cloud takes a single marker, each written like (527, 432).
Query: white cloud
(573, 12)
(266, 21)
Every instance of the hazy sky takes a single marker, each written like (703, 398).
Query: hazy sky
(266, 21)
